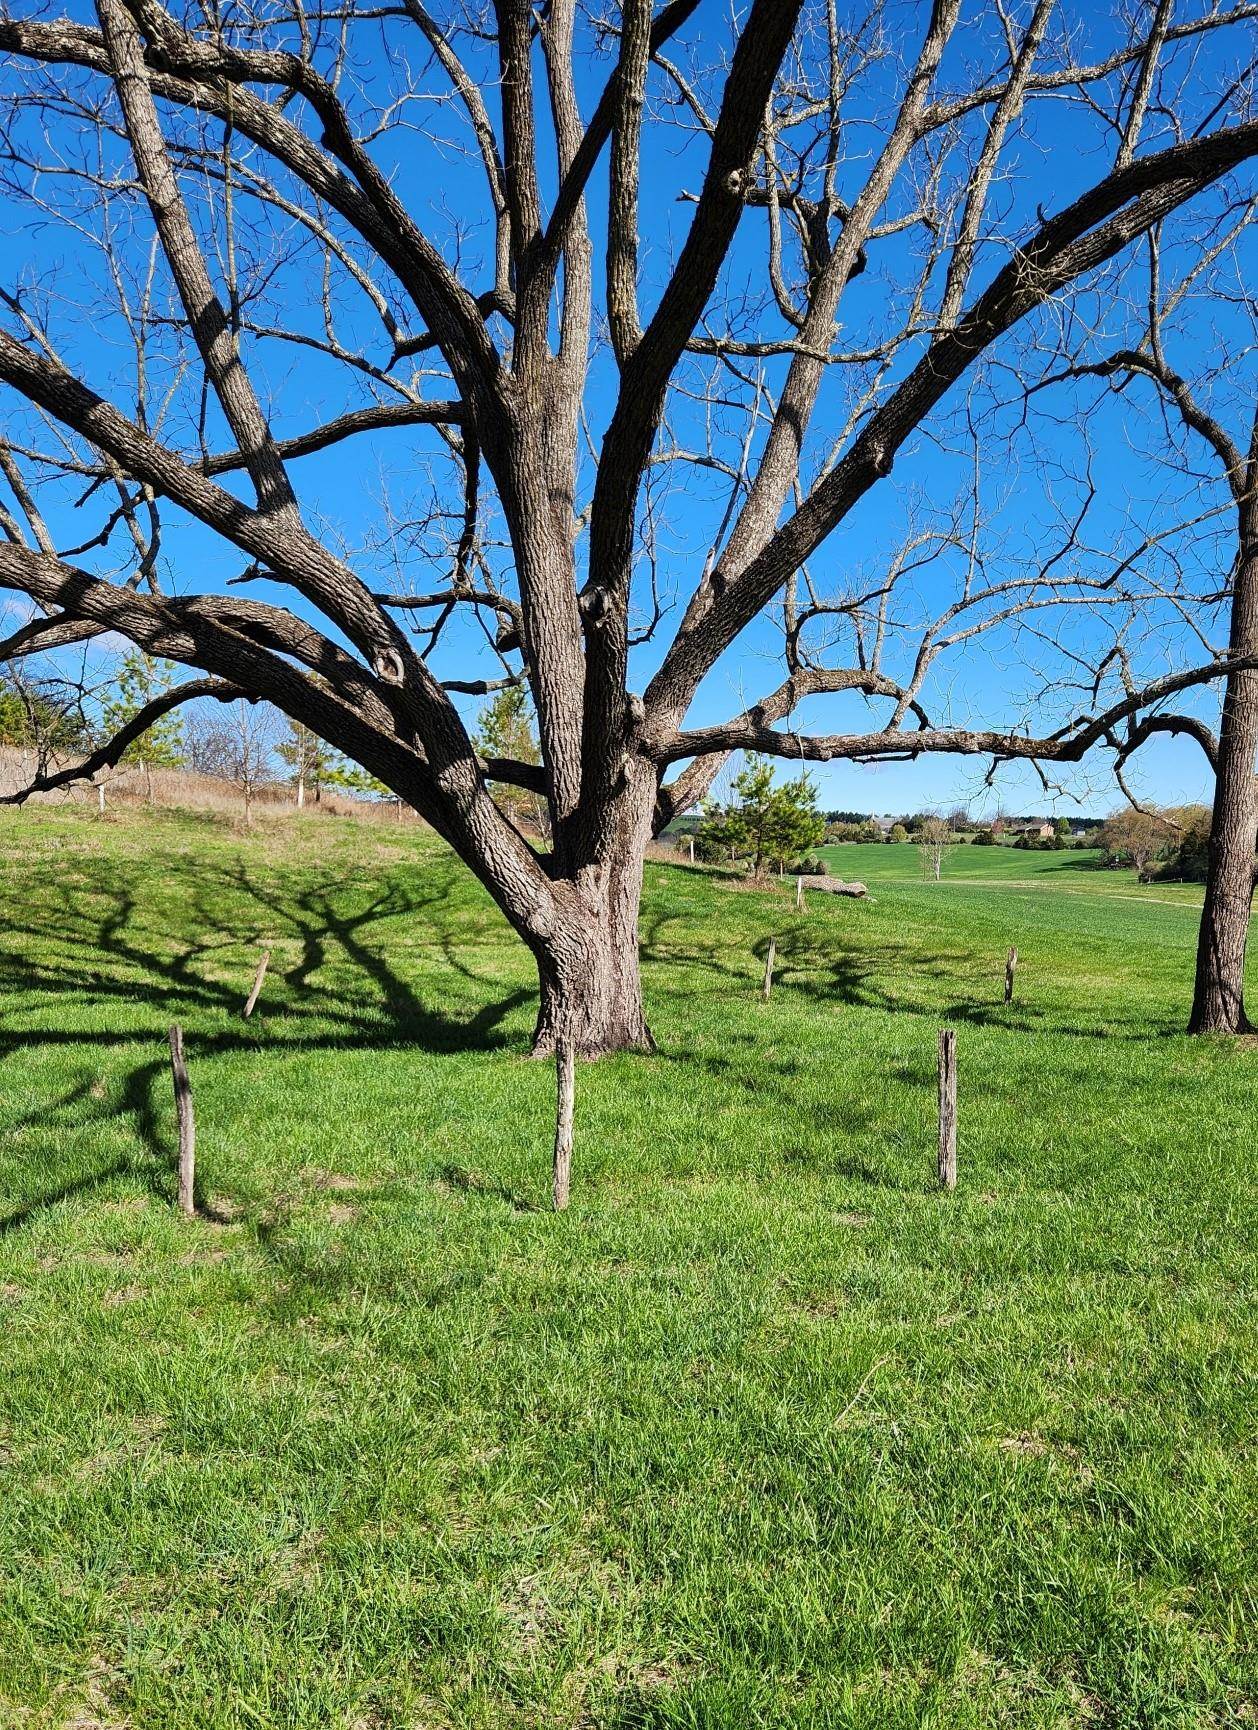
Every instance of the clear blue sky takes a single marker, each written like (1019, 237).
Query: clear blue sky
(1032, 475)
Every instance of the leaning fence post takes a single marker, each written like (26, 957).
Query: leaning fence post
(1011, 967)
(187, 1123)
(947, 1108)
(258, 977)
(768, 968)
(565, 1072)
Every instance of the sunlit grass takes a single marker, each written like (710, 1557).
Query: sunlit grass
(765, 1431)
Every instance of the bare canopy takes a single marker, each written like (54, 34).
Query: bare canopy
(246, 181)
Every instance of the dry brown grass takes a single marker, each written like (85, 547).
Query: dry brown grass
(182, 789)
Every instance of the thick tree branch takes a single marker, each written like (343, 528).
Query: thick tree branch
(695, 780)
(1068, 745)
(576, 179)
(644, 381)
(207, 78)
(1092, 229)
(346, 426)
(279, 544)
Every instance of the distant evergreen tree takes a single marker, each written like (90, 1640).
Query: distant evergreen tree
(353, 779)
(140, 678)
(34, 717)
(506, 730)
(765, 821)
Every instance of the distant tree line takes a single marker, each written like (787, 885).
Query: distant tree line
(117, 724)
(957, 825)
(1171, 843)
(867, 825)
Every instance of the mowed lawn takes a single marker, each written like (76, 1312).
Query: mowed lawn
(764, 1432)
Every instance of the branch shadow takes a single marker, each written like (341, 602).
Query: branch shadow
(476, 1183)
(174, 979)
(99, 943)
(818, 964)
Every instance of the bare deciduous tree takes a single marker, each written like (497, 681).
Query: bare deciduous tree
(933, 838)
(238, 748)
(216, 162)
(1200, 400)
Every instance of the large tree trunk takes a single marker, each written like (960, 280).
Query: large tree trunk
(591, 984)
(1219, 994)
(591, 991)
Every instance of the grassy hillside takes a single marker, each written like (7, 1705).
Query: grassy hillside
(764, 1432)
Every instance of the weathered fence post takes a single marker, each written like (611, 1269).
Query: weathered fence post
(692, 849)
(187, 1123)
(1011, 967)
(769, 959)
(799, 893)
(100, 797)
(258, 977)
(947, 1108)
(565, 1072)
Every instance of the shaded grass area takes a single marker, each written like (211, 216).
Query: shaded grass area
(763, 1432)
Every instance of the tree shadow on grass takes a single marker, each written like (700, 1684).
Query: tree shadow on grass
(111, 936)
(820, 966)
(78, 953)
(104, 940)
(80, 1111)
(832, 1129)
(31, 1210)
(476, 1183)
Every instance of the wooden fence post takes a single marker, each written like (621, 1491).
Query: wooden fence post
(768, 968)
(1011, 967)
(187, 1123)
(947, 1108)
(258, 977)
(799, 893)
(692, 849)
(565, 1071)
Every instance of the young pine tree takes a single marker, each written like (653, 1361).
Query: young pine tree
(766, 822)
(311, 763)
(506, 730)
(139, 679)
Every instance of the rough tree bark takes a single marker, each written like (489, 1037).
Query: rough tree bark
(589, 971)
(1218, 1004)
(1219, 988)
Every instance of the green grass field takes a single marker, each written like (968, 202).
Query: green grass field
(999, 867)
(764, 1432)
